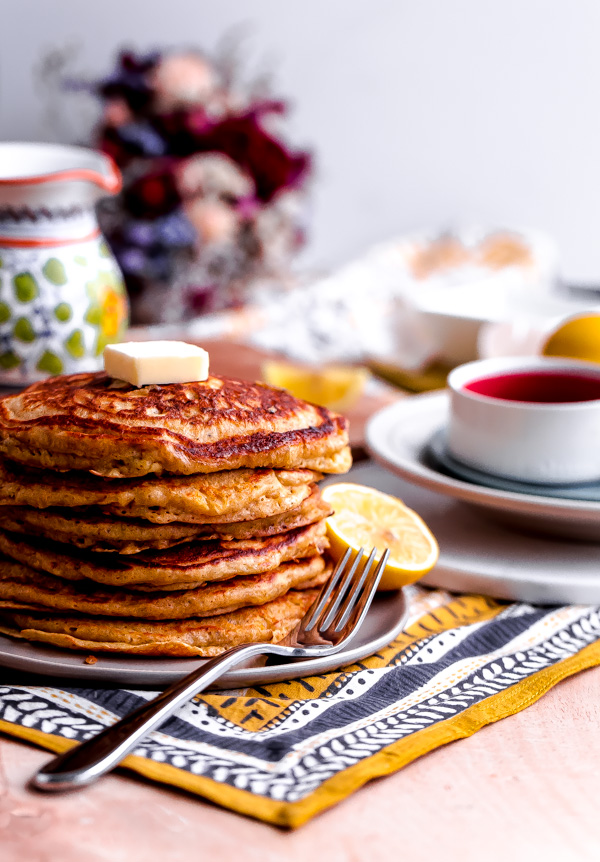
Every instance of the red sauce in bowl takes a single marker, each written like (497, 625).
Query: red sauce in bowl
(538, 387)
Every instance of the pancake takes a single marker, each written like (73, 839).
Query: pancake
(86, 528)
(91, 528)
(185, 566)
(23, 588)
(311, 510)
(198, 636)
(228, 496)
(110, 428)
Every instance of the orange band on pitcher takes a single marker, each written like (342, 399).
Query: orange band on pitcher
(34, 242)
(110, 184)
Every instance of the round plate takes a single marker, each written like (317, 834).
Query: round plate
(437, 450)
(398, 437)
(385, 620)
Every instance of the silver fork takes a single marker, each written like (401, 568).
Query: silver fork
(335, 615)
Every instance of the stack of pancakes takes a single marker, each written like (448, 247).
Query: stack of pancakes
(165, 520)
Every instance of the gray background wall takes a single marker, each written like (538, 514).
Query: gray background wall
(422, 112)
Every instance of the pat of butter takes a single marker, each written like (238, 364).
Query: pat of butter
(144, 362)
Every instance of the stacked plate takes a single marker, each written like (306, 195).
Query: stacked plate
(515, 541)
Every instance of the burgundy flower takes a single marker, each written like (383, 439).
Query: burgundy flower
(272, 166)
(153, 194)
(182, 130)
(109, 141)
(130, 81)
(244, 139)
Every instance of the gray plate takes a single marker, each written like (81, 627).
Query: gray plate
(384, 622)
(437, 448)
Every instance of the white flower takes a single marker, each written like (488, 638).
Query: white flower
(213, 175)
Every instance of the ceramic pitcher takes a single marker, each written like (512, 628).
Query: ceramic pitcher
(62, 297)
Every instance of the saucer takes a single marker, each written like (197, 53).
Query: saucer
(398, 436)
(437, 450)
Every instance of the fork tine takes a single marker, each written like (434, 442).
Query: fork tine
(364, 600)
(346, 609)
(330, 610)
(327, 589)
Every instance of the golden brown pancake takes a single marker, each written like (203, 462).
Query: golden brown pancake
(87, 528)
(25, 589)
(198, 636)
(228, 496)
(92, 422)
(311, 510)
(91, 528)
(182, 567)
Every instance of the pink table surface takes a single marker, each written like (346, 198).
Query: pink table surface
(526, 788)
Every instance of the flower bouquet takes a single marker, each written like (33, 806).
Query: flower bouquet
(212, 198)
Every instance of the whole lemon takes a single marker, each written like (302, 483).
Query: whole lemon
(577, 337)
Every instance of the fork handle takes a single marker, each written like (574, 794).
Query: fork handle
(88, 761)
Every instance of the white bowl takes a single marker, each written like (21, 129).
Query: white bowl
(542, 442)
(453, 317)
(466, 322)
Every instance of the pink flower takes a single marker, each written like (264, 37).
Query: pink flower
(117, 113)
(214, 221)
(182, 81)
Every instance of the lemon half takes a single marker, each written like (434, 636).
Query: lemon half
(337, 387)
(366, 518)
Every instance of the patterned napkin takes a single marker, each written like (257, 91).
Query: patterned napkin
(286, 751)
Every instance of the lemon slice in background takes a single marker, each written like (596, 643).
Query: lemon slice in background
(337, 387)
(575, 338)
(366, 518)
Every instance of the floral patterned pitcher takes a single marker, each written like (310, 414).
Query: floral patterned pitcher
(62, 297)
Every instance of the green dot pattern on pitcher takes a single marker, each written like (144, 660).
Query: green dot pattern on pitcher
(23, 330)
(75, 344)
(55, 271)
(63, 312)
(26, 287)
(59, 307)
(94, 315)
(49, 363)
(9, 360)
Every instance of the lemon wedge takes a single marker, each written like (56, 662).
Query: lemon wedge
(337, 387)
(366, 518)
(575, 338)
